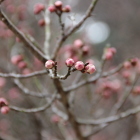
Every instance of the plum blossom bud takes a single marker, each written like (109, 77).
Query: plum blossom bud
(126, 74)
(127, 65)
(38, 8)
(134, 61)
(3, 102)
(55, 119)
(85, 50)
(5, 110)
(22, 65)
(78, 44)
(79, 65)
(108, 55)
(58, 4)
(41, 22)
(51, 8)
(90, 68)
(69, 62)
(16, 59)
(136, 90)
(49, 64)
(67, 8)
(113, 50)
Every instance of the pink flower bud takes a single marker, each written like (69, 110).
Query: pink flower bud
(126, 74)
(85, 50)
(134, 61)
(79, 65)
(136, 90)
(22, 65)
(113, 50)
(55, 119)
(51, 8)
(41, 22)
(78, 44)
(16, 59)
(67, 8)
(3, 102)
(108, 55)
(69, 62)
(5, 110)
(38, 8)
(127, 65)
(58, 4)
(49, 64)
(90, 68)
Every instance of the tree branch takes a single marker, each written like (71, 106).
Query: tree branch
(22, 37)
(20, 76)
(34, 110)
(28, 92)
(63, 38)
(94, 78)
(111, 118)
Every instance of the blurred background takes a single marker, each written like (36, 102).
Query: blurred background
(113, 22)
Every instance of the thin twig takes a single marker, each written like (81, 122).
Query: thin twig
(111, 118)
(121, 102)
(67, 75)
(22, 37)
(34, 110)
(94, 78)
(29, 92)
(62, 39)
(20, 76)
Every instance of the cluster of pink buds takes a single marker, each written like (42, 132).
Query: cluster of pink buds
(136, 90)
(18, 60)
(4, 109)
(39, 7)
(58, 7)
(79, 65)
(109, 53)
(76, 50)
(106, 88)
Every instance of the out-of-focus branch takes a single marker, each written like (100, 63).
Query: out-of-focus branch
(117, 106)
(20, 76)
(62, 39)
(33, 110)
(29, 92)
(22, 37)
(121, 102)
(6, 137)
(47, 32)
(94, 78)
(111, 118)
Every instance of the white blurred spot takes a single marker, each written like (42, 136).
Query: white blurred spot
(97, 32)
